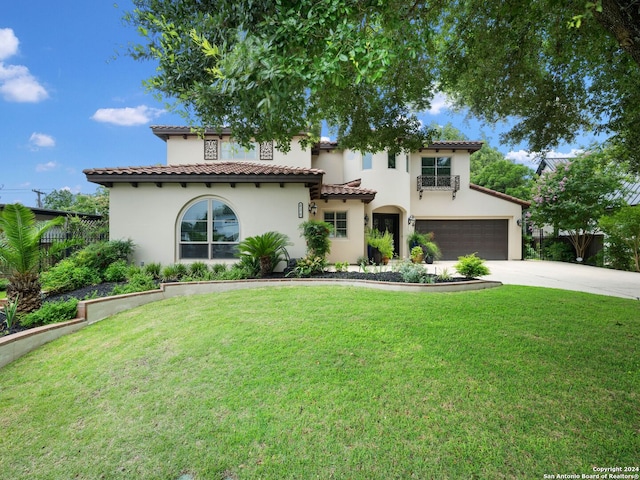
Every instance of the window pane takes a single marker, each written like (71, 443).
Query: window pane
(193, 232)
(197, 212)
(428, 166)
(367, 161)
(444, 166)
(391, 160)
(235, 151)
(188, 250)
(223, 250)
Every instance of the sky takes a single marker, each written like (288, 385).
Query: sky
(71, 99)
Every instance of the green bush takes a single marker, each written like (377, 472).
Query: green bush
(268, 250)
(316, 234)
(559, 252)
(102, 254)
(51, 312)
(308, 266)
(66, 276)
(4, 283)
(174, 273)
(414, 272)
(471, 266)
(116, 272)
(153, 269)
(198, 270)
(139, 282)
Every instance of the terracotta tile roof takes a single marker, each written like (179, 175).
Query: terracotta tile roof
(501, 195)
(214, 168)
(209, 173)
(347, 191)
(471, 146)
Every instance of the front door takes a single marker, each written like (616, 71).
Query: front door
(391, 222)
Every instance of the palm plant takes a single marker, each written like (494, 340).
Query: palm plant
(268, 249)
(20, 236)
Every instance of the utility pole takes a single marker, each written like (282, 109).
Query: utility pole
(38, 192)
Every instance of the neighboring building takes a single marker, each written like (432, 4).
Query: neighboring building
(212, 193)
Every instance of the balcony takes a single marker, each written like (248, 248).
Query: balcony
(439, 182)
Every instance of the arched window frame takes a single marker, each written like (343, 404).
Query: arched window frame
(205, 238)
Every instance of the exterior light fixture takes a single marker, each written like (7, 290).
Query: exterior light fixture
(300, 211)
(313, 208)
(366, 219)
(519, 222)
(412, 220)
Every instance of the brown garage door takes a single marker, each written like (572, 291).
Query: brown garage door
(455, 238)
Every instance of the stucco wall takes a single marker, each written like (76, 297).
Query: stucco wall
(182, 151)
(149, 215)
(353, 246)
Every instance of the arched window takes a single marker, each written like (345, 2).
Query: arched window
(208, 229)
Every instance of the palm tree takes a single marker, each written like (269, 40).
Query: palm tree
(20, 236)
(268, 249)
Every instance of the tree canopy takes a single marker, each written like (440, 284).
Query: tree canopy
(574, 196)
(272, 69)
(64, 200)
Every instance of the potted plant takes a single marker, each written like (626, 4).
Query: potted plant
(381, 245)
(417, 255)
(430, 249)
(415, 239)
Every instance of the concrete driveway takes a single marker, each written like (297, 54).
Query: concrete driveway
(567, 276)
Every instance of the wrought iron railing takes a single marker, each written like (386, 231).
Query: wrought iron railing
(439, 182)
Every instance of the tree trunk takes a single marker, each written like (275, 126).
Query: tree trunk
(622, 19)
(265, 266)
(26, 289)
(580, 243)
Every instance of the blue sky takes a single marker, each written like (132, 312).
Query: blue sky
(71, 99)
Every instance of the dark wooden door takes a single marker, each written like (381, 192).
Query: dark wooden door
(391, 222)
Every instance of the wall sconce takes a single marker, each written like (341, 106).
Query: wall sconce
(313, 208)
(300, 211)
(366, 219)
(412, 220)
(519, 222)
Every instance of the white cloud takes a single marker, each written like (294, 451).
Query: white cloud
(127, 117)
(439, 103)
(46, 167)
(8, 43)
(41, 140)
(17, 84)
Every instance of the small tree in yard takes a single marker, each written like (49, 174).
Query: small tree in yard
(20, 236)
(267, 249)
(574, 197)
(623, 228)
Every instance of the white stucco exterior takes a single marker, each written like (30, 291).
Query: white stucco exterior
(147, 205)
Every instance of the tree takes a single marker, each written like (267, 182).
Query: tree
(64, 200)
(20, 236)
(267, 250)
(484, 157)
(576, 195)
(272, 69)
(623, 227)
(507, 177)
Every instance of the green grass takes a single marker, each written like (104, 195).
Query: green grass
(331, 382)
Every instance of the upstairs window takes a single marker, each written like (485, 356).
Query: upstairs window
(367, 161)
(391, 160)
(436, 166)
(209, 229)
(235, 151)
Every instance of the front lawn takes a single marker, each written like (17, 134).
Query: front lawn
(332, 382)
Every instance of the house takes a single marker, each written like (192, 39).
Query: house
(212, 193)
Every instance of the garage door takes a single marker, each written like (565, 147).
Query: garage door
(455, 238)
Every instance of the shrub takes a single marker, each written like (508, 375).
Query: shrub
(116, 272)
(174, 273)
(100, 255)
(153, 269)
(66, 276)
(316, 234)
(51, 312)
(218, 268)
(139, 282)
(559, 252)
(471, 266)
(341, 266)
(308, 266)
(4, 283)
(414, 273)
(268, 249)
(198, 270)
